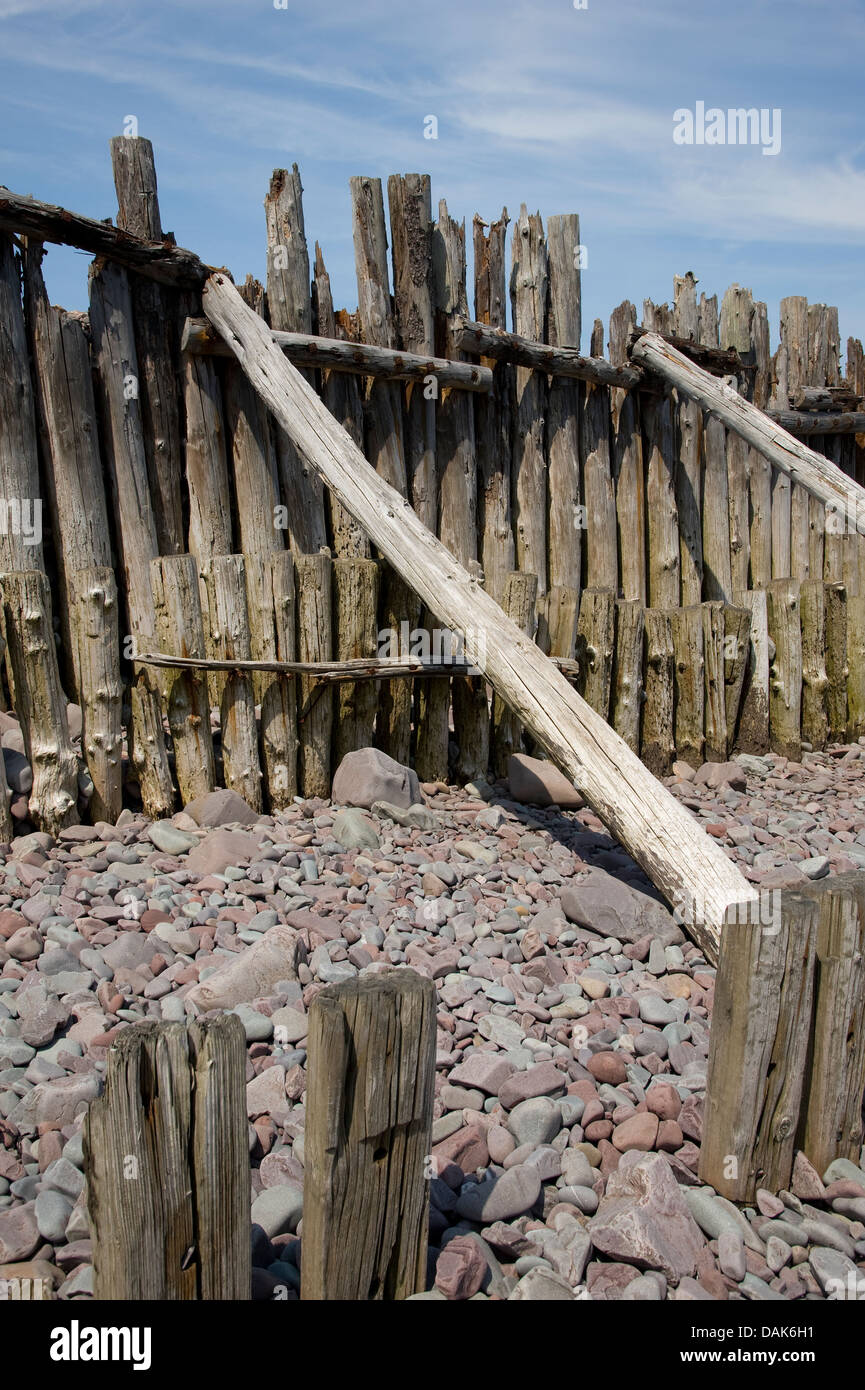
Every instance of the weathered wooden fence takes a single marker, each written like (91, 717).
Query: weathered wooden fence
(710, 601)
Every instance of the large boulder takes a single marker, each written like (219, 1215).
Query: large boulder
(221, 807)
(368, 775)
(250, 974)
(222, 848)
(644, 1220)
(604, 904)
(536, 782)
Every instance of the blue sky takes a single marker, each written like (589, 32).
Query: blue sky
(566, 110)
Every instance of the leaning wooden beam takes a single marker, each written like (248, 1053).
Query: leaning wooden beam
(815, 473)
(678, 856)
(160, 260)
(339, 355)
(485, 341)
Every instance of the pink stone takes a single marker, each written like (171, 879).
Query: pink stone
(460, 1268)
(608, 1067)
(638, 1132)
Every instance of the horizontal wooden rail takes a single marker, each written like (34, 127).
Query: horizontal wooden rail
(159, 260)
(479, 338)
(806, 422)
(358, 669)
(815, 472)
(338, 355)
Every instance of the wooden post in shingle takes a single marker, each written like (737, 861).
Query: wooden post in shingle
(628, 469)
(39, 700)
(785, 685)
(814, 679)
(657, 748)
(180, 630)
(688, 426)
(290, 309)
(836, 660)
(595, 647)
(493, 413)
(627, 678)
(355, 594)
(717, 575)
(529, 278)
(369, 1106)
(759, 468)
(563, 438)
(662, 514)
(19, 461)
(856, 665)
(313, 574)
(759, 1045)
(116, 389)
(155, 313)
(166, 1158)
(715, 706)
(229, 641)
(457, 467)
(752, 735)
(520, 604)
(737, 648)
(831, 1120)
(94, 622)
(276, 626)
(689, 691)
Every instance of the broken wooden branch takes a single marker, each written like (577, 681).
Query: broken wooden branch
(679, 857)
(354, 669)
(340, 355)
(486, 341)
(160, 260)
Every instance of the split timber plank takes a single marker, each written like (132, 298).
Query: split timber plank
(676, 854)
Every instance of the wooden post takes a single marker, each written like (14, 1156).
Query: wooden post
(229, 640)
(529, 278)
(563, 414)
(519, 603)
(753, 732)
(94, 623)
(759, 468)
(276, 626)
(314, 643)
(836, 661)
(688, 425)
(340, 392)
(628, 468)
(385, 445)
(737, 310)
(689, 688)
(831, 1120)
(411, 234)
(814, 679)
(759, 1045)
(856, 664)
(19, 463)
(627, 679)
(355, 591)
(210, 521)
(134, 525)
(663, 517)
(66, 410)
(493, 414)
(39, 701)
(601, 564)
(155, 322)
(595, 647)
(369, 1105)
(168, 1183)
(290, 308)
(785, 685)
(457, 467)
(657, 748)
(649, 821)
(737, 647)
(180, 630)
(715, 705)
(717, 573)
